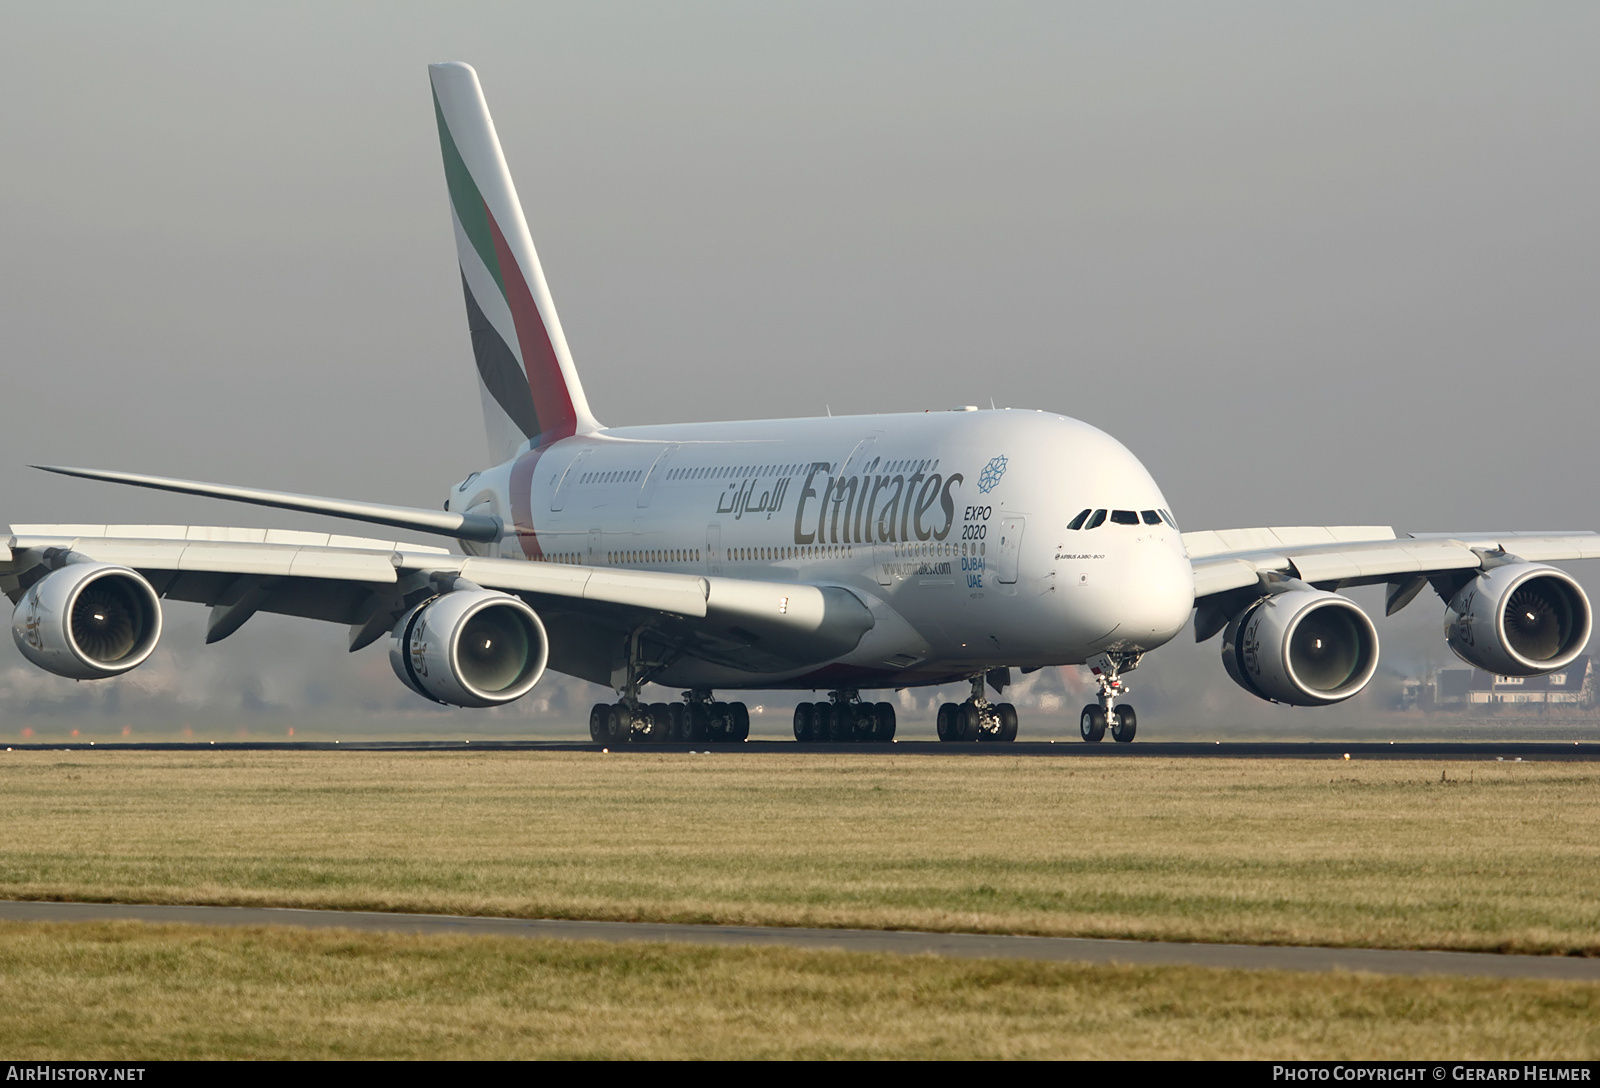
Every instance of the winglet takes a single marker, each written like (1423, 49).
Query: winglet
(530, 387)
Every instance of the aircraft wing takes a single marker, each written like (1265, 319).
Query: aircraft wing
(369, 584)
(1228, 562)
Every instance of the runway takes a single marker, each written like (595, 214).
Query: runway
(965, 945)
(1580, 751)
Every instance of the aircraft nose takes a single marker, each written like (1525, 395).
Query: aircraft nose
(1156, 594)
(1162, 589)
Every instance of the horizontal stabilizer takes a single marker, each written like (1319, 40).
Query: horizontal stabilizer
(474, 527)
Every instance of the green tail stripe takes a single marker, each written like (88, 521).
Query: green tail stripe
(468, 202)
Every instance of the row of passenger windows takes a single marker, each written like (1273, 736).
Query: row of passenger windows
(812, 551)
(1093, 519)
(622, 476)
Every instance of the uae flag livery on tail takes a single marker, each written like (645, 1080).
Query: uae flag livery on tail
(531, 393)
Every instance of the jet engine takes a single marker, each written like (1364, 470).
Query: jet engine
(1304, 647)
(470, 647)
(88, 621)
(1520, 619)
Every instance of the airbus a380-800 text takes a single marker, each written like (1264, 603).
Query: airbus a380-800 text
(842, 555)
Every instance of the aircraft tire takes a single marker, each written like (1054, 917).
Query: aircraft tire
(718, 725)
(1126, 725)
(971, 722)
(802, 722)
(1008, 722)
(696, 722)
(599, 723)
(619, 723)
(739, 718)
(660, 723)
(883, 721)
(945, 724)
(1092, 724)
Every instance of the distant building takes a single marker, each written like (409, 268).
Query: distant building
(1460, 687)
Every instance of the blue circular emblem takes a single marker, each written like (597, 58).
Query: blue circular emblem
(990, 476)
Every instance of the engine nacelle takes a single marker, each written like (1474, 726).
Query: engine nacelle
(1303, 647)
(470, 647)
(1520, 619)
(88, 621)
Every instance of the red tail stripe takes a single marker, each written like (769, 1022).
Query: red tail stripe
(551, 401)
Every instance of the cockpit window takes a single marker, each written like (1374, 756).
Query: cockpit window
(1151, 517)
(1097, 520)
(1170, 520)
(1077, 522)
(1124, 517)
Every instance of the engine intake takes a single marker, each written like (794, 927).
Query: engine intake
(1520, 619)
(470, 647)
(88, 621)
(1304, 647)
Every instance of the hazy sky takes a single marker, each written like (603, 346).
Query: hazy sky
(1317, 264)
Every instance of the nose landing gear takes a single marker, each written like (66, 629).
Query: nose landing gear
(1096, 717)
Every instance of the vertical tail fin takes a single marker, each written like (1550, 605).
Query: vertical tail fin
(530, 387)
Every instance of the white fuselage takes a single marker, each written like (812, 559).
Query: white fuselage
(953, 528)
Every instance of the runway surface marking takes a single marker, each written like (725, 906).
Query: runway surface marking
(1064, 949)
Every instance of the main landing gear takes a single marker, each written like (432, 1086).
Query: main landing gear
(977, 718)
(843, 718)
(1096, 717)
(697, 718)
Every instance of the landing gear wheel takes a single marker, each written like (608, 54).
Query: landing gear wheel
(971, 722)
(948, 723)
(802, 722)
(1127, 724)
(843, 720)
(660, 723)
(1092, 723)
(599, 723)
(738, 722)
(883, 718)
(719, 723)
(1008, 722)
(697, 722)
(677, 721)
(865, 720)
(619, 723)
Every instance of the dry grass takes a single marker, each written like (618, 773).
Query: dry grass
(127, 991)
(1467, 856)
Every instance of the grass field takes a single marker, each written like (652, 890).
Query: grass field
(1484, 856)
(126, 991)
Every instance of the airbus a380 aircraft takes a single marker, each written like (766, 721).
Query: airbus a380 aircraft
(842, 554)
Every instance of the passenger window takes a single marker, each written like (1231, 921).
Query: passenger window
(1150, 517)
(1077, 522)
(1124, 517)
(1097, 520)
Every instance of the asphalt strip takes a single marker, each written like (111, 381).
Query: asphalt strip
(1380, 961)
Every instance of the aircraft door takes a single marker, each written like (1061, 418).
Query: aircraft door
(568, 478)
(658, 469)
(594, 548)
(714, 548)
(1010, 547)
